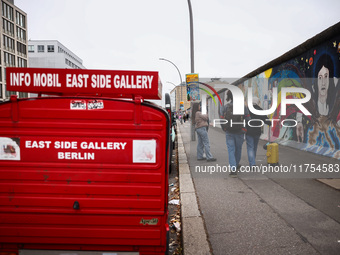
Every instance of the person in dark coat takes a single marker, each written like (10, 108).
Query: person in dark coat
(235, 139)
(254, 132)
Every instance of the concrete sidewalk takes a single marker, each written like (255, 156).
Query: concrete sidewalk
(254, 214)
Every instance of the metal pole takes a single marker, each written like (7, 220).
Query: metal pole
(180, 76)
(193, 137)
(191, 38)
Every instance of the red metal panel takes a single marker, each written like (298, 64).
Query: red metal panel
(54, 155)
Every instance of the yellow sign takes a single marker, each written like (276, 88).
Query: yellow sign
(193, 77)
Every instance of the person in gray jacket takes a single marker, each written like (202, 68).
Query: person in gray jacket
(201, 126)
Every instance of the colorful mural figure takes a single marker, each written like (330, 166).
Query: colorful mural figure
(317, 70)
(324, 135)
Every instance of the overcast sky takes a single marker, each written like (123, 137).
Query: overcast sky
(232, 38)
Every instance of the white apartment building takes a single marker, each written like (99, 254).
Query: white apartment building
(52, 54)
(13, 43)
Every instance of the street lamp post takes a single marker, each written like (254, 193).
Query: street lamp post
(191, 38)
(193, 137)
(180, 76)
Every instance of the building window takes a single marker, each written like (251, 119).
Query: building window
(50, 48)
(20, 19)
(41, 48)
(21, 34)
(8, 27)
(22, 62)
(7, 11)
(9, 59)
(21, 48)
(8, 43)
(30, 48)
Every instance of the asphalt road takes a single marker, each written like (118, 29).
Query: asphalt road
(260, 213)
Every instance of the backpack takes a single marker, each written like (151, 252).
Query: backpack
(230, 117)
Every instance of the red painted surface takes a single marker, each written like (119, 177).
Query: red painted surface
(123, 84)
(58, 157)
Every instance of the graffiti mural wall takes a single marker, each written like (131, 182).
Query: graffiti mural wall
(317, 70)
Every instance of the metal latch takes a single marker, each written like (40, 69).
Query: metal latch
(76, 205)
(138, 110)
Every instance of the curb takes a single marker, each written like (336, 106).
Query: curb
(194, 236)
(334, 183)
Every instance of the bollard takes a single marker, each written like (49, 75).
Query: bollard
(273, 154)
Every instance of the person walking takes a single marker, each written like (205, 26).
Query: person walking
(201, 125)
(254, 131)
(180, 117)
(234, 134)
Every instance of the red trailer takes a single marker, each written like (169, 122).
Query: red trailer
(85, 171)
